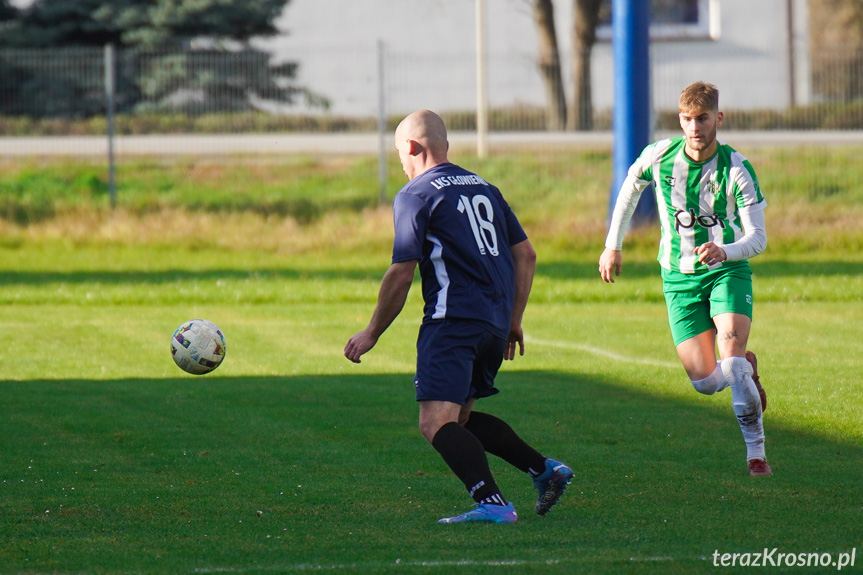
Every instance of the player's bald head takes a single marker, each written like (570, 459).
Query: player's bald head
(427, 129)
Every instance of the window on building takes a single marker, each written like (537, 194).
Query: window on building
(672, 19)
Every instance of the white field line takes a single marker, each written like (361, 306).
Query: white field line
(300, 567)
(398, 563)
(568, 345)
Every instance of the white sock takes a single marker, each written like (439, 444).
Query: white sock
(712, 383)
(746, 404)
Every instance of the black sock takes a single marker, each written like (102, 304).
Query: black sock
(496, 499)
(499, 439)
(466, 457)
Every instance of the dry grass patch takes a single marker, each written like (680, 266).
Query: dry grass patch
(232, 231)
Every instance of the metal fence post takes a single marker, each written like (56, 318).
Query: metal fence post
(481, 83)
(110, 89)
(382, 126)
(631, 46)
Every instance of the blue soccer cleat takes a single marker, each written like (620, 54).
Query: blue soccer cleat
(551, 485)
(485, 513)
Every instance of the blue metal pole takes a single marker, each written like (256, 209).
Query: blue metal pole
(631, 44)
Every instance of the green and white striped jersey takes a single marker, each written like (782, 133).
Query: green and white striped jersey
(697, 201)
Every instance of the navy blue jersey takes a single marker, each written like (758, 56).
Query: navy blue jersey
(460, 229)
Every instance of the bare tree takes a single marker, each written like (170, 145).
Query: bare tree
(549, 64)
(585, 20)
(836, 44)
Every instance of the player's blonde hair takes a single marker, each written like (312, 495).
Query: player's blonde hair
(699, 96)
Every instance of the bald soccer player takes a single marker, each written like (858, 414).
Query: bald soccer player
(477, 268)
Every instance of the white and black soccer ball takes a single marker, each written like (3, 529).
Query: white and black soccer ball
(198, 346)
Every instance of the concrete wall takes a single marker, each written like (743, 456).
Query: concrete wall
(430, 47)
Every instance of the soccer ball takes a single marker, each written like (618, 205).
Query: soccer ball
(198, 346)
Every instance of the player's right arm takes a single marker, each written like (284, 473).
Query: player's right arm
(410, 217)
(637, 178)
(391, 299)
(611, 260)
(610, 264)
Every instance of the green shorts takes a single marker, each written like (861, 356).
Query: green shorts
(694, 299)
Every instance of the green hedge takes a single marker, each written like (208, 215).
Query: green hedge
(182, 124)
(815, 117)
(523, 118)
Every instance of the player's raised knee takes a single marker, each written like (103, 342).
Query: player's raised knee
(710, 384)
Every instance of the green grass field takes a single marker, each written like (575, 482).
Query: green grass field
(290, 459)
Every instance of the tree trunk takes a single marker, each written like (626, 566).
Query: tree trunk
(549, 65)
(586, 19)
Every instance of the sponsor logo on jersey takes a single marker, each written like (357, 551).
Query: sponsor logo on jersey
(690, 219)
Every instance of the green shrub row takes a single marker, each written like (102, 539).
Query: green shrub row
(239, 123)
(816, 117)
(523, 118)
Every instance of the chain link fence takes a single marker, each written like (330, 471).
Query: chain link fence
(340, 89)
(348, 99)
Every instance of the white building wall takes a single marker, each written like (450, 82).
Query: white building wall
(748, 59)
(430, 46)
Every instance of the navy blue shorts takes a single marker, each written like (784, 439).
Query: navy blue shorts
(457, 361)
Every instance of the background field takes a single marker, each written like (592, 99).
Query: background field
(291, 459)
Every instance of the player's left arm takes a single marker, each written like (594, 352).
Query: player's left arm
(751, 204)
(392, 295)
(752, 243)
(524, 260)
(754, 240)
